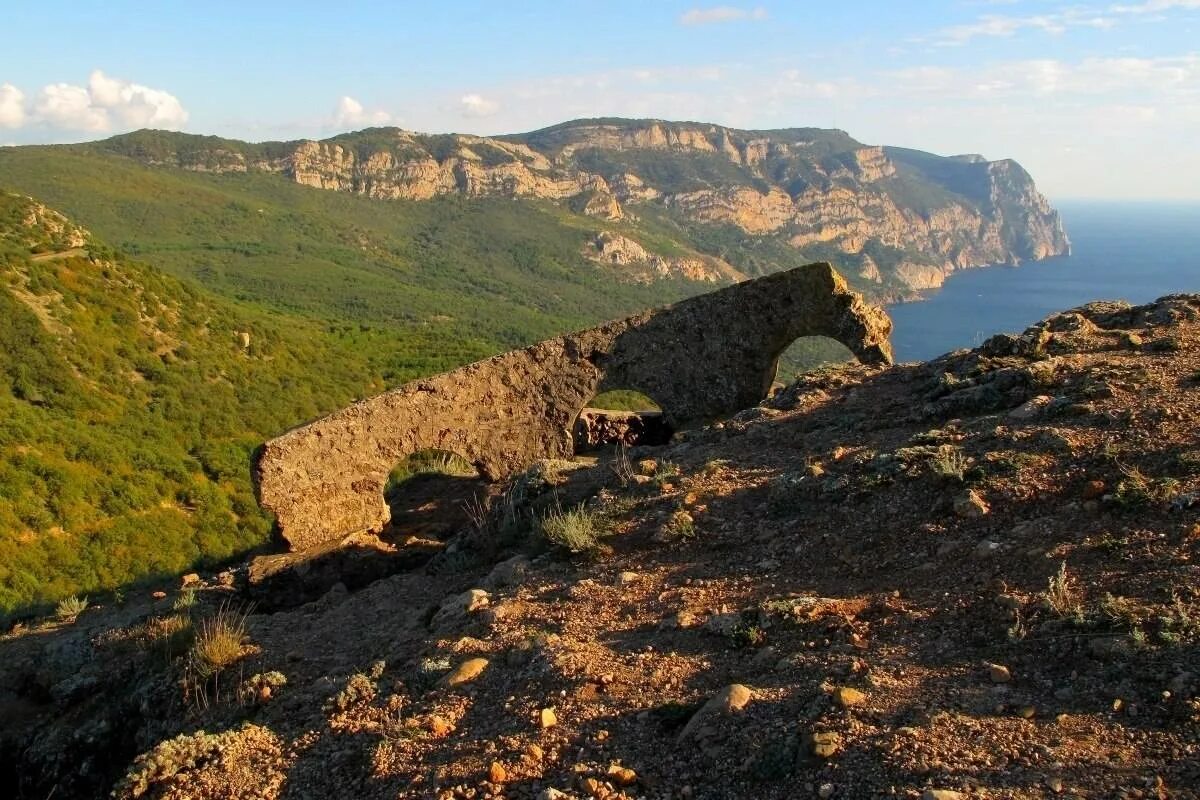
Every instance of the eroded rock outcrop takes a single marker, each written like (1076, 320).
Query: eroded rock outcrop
(703, 357)
(640, 265)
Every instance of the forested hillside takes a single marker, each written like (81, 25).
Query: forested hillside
(129, 406)
(485, 274)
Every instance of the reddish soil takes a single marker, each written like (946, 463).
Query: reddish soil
(996, 552)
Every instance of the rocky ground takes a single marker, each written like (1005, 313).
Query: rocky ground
(975, 577)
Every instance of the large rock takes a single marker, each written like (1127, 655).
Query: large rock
(704, 357)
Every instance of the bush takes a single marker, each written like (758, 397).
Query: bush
(578, 530)
(359, 690)
(70, 607)
(949, 464)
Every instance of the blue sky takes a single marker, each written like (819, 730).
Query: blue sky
(1096, 99)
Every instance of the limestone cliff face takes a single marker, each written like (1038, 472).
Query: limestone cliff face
(899, 218)
(640, 265)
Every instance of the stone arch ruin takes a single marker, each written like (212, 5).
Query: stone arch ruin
(701, 358)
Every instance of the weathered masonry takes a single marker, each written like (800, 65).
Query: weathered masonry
(703, 357)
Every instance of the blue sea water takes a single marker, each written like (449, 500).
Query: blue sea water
(1120, 251)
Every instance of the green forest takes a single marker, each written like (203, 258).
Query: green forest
(130, 404)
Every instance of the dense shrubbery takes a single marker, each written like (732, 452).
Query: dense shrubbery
(129, 409)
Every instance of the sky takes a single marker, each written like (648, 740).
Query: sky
(1096, 99)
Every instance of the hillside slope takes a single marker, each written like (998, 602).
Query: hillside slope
(653, 199)
(131, 400)
(972, 578)
(129, 406)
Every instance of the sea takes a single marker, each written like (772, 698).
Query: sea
(1136, 252)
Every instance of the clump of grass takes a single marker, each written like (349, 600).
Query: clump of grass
(70, 607)
(666, 472)
(578, 529)
(1135, 490)
(1062, 595)
(220, 642)
(949, 464)
(185, 601)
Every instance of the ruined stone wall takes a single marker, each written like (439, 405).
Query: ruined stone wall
(703, 357)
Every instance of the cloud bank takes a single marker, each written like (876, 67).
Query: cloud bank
(105, 104)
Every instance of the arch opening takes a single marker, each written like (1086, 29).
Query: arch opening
(428, 492)
(810, 353)
(620, 417)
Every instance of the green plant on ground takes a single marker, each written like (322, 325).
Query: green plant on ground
(1180, 623)
(666, 472)
(1136, 490)
(220, 642)
(185, 601)
(260, 687)
(1062, 595)
(359, 690)
(578, 530)
(70, 607)
(1119, 611)
(950, 464)
(682, 525)
(748, 634)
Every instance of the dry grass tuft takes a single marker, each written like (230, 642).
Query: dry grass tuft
(578, 529)
(220, 642)
(1062, 595)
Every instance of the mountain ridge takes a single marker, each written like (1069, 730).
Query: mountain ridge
(896, 219)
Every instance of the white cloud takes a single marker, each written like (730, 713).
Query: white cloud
(476, 105)
(1166, 77)
(706, 16)
(1156, 6)
(69, 107)
(998, 25)
(351, 114)
(131, 105)
(12, 106)
(1096, 17)
(103, 105)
